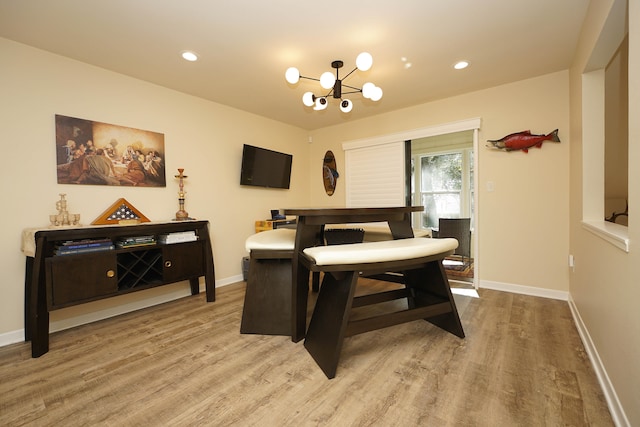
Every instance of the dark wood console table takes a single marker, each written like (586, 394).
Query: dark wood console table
(56, 281)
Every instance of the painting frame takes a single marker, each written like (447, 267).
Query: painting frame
(95, 153)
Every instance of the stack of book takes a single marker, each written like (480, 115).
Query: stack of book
(83, 246)
(135, 241)
(178, 237)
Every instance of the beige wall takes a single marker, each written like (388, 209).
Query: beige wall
(604, 287)
(202, 137)
(523, 224)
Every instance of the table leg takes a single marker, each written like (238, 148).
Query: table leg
(38, 310)
(209, 276)
(195, 286)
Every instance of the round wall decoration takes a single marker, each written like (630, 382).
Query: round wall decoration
(329, 172)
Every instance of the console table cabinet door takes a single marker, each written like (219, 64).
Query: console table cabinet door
(74, 279)
(183, 261)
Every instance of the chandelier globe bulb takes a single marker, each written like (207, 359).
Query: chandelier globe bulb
(377, 94)
(308, 99)
(327, 80)
(367, 90)
(364, 61)
(346, 105)
(321, 103)
(292, 75)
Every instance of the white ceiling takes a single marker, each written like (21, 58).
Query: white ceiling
(245, 46)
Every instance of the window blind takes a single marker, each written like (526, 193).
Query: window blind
(375, 175)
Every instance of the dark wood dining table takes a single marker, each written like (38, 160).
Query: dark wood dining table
(310, 228)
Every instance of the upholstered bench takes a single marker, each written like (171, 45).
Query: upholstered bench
(426, 291)
(371, 232)
(267, 300)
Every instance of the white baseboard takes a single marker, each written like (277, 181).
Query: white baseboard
(525, 290)
(229, 281)
(617, 411)
(13, 337)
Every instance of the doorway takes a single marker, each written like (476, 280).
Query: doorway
(441, 175)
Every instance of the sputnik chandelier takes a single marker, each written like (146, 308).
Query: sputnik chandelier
(334, 83)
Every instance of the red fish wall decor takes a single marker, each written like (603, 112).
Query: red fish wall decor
(522, 141)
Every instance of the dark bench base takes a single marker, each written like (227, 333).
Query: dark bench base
(426, 290)
(267, 300)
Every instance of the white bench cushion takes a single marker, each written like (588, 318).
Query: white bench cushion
(282, 239)
(372, 252)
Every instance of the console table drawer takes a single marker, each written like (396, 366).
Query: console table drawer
(75, 279)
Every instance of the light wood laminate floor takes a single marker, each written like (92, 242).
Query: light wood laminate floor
(184, 363)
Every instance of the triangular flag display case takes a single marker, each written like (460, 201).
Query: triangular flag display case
(120, 212)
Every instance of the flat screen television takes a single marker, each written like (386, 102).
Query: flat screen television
(265, 168)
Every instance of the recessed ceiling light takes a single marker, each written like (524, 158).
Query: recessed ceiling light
(460, 65)
(190, 56)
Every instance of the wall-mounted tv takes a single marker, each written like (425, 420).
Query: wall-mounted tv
(265, 168)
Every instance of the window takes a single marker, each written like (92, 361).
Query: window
(604, 111)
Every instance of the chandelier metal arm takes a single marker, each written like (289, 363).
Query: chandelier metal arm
(310, 78)
(350, 72)
(351, 87)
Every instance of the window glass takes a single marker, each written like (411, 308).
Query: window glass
(441, 184)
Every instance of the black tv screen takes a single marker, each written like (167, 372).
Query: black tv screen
(265, 168)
